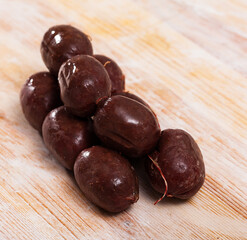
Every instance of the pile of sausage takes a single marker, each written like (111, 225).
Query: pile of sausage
(93, 127)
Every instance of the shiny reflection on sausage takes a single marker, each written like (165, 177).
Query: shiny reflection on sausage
(126, 125)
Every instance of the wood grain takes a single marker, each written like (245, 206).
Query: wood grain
(187, 60)
(217, 26)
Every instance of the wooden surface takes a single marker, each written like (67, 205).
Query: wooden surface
(188, 59)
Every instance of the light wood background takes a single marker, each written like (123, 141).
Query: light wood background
(188, 59)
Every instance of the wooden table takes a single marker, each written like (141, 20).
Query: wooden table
(188, 59)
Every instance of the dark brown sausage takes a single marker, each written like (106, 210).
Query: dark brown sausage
(126, 126)
(62, 42)
(181, 163)
(106, 178)
(83, 81)
(115, 73)
(66, 135)
(39, 95)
